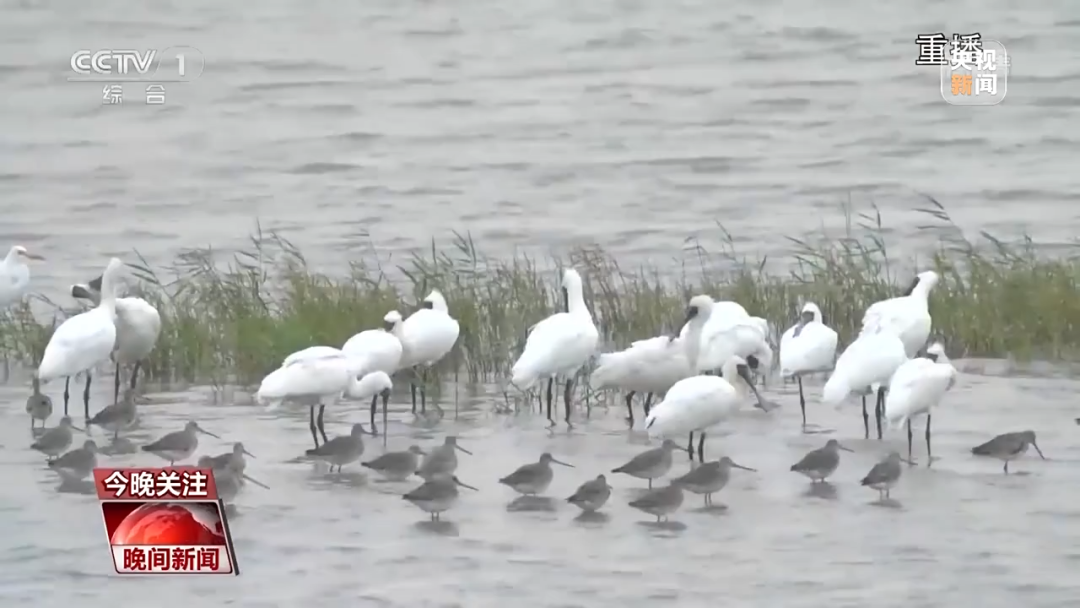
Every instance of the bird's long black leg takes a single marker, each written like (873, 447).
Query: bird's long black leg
(648, 403)
(385, 407)
(690, 447)
(909, 440)
(567, 394)
(374, 410)
(311, 425)
(322, 427)
(86, 396)
(928, 457)
(551, 382)
(135, 373)
(423, 390)
(865, 418)
(630, 407)
(701, 448)
(412, 390)
(67, 395)
(879, 410)
(116, 384)
(802, 401)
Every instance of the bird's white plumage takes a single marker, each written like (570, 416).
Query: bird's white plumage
(311, 353)
(15, 275)
(812, 350)
(729, 338)
(907, 317)
(561, 344)
(138, 325)
(86, 340)
(651, 365)
(373, 383)
(868, 362)
(917, 386)
(378, 349)
(321, 379)
(429, 333)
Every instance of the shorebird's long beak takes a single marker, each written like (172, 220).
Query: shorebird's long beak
(255, 481)
(34, 256)
(739, 466)
(461, 449)
(206, 432)
(464, 485)
(565, 464)
(247, 453)
(78, 428)
(845, 449)
(1034, 445)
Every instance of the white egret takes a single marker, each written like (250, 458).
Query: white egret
(558, 346)
(697, 403)
(377, 350)
(426, 337)
(865, 366)
(916, 387)
(138, 325)
(15, 275)
(807, 347)
(84, 341)
(313, 381)
(649, 366)
(906, 317)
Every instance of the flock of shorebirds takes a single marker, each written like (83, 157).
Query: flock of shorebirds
(704, 374)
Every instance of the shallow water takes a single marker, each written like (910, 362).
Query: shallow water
(957, 531)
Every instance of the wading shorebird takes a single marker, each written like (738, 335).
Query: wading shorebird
(1008, 446)
(39, 406)
(178, 445)
(442, 460)
(884, 475)
(822, 462)
(396, 466)
(709, 478)
(591, 495)
(534, 478)
(342, 450)
(118, 416)
(54, 441)
(660, 502)
(77, 464)
(437, 495)
(650, 464)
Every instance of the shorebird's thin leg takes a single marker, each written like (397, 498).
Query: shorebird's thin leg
(67, 385)
(802, 401)
(135, 373)
(551, 382)
(86, 396)
(928, 457)
(879, 410)
(566, 399)
(314, 435)
(412, 389)
(630, 407)
(116, 383)
(374, 410)
(909, 440)
(690, 447)
(648, 402)
(1006, 467)
(865, 418)
(423, 390)
(322, 427)
(701, 447)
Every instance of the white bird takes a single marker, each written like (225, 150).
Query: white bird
(558, 346)
(731, 332)
(426, 337)
(916, 387)
(84, 341)
(313, 381)
(697, 403)
(138, 325)
(377, 350)
(807, 347)
(650, 366)
(906, 317)
(15, 275)
(865, 366)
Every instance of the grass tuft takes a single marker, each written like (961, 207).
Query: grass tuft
(235, 322)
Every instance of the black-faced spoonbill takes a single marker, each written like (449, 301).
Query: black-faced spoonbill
(807, 347)
(650, 366)
(865, 366)
(559, 346)
(84, 341)
(906, 317)
(916, 387)
(377, 350)
(427, 336)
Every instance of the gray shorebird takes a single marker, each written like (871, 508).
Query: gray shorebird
(38, 405)
(228, 480)
(660, 502)
(822, 462)
(396, 466)
(709, 478)
(884, 475)
(437, 495)
(77, 464)
(118, 416)
(341, 450)
(441, 460)
(534, 478)
(591, 495)
(54, 441)
(178, 445)
(650, 464)
(1008, 446)
(233, 459)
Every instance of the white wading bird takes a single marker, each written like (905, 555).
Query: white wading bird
(731, 332)
(309, 378)
(649, 366)
(15, 275)
(865, 366)
(916, 387)
(697, 403)
(427, 336)
(558, 346)
(806, 348)
(377, 350)
(84, 341)
(138, 326)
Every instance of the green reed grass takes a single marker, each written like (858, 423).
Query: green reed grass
(234, 322)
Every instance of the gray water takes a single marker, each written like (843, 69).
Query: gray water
(371, 127)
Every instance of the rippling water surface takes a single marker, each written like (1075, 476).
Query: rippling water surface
(628, 123)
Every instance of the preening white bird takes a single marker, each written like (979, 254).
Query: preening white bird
(917, 386)
(138, 325)
(731, 332)
(807, 347)
(649, 366)
(377, 350)
(15, 275)
(84, 341)
(559, 346)
(906, 317)
(865, 366)
(427, 336)
(697, 403)
(313, 381)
